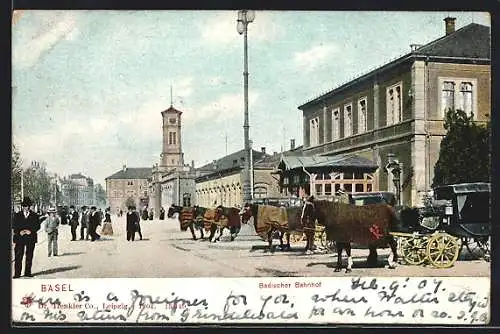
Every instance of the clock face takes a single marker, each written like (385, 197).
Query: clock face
(172, 120)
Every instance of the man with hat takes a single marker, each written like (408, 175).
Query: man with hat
(94, 221)
(308, 224)
(73, 221)
(25, 227)
(84, 228)
(51, 227)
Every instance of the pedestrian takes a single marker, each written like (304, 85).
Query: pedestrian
(162, 213)
(84, 221)
(107, 228)
(132, 221)
(73, 221)
(25, 226)
(51, 227)
(94, 221)
(308, 225)
(121, 212)
(145, 213)
(151, 214)
(138, 224)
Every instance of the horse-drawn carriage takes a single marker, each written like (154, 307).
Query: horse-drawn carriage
(457, 217)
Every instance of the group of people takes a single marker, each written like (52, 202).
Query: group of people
(27, 223)
(133, 224)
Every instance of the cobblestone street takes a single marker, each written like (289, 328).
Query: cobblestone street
(166, 251)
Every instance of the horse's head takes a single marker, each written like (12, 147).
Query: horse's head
(173, 209)
(219, 212)
(246, 213)
(309, 211)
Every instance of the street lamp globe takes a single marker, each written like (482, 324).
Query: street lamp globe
(250, 16)
(240, 27)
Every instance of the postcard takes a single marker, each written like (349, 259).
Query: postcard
(263, 167)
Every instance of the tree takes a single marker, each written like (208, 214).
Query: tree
(15, 170)
(38, 185)
(465, 153)
(100, 194)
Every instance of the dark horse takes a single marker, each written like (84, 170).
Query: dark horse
(226, 218)
(273, 220)
(365, 225)
(187, 217)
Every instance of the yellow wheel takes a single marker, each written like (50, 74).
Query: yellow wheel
(442, 250)
(296, 237)
(414, 250)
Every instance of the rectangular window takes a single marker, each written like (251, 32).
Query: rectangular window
(359, 188)
(314, 132)
(394, 104)
(328, 189)
(285, 180)
(347, 120)
(336, 124)
(362, 115)
(319, 189)
(348, 187)
(172, 138)
(465, 102)
(448, 96)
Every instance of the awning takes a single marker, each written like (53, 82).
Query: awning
(318, 161)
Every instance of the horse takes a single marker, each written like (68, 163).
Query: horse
(272, 219)
(186, 218)
(226, 217)
(365, 225)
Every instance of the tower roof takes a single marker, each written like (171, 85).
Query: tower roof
(172, 110)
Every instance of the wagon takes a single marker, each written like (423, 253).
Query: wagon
(458, 217)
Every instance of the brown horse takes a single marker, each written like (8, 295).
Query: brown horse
(367, 225)
(269, 220)
(187, 217)
(227, 217)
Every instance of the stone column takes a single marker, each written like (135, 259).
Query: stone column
(376, 105)
(325, 138)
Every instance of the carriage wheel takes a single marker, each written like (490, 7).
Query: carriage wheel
(478, 247)
(442, 250)
(296, 237)
(414, 250)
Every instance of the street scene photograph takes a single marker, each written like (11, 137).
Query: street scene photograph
(250, 143)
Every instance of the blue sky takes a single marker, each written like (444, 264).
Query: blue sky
(89, 86)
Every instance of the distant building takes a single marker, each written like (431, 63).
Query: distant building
(220, 182)
(398, 109)
(78, 190)
(128, 183)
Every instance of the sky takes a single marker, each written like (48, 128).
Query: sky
(89, 86)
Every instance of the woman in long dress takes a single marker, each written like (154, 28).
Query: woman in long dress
(107, 228)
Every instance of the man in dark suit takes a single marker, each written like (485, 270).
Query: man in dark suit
(84, 221)
(132, 223)
(94, 221)
(73, 221)
(25, 227)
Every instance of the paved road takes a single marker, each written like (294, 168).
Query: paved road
(165, 251)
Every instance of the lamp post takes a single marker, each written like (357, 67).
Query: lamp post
(244, 18)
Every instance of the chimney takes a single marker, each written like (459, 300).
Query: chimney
(192, 164)
(124, 168)
(292, 144)
(414, 47)
(449, 25)
(263, 149)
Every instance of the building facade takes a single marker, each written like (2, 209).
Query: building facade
(399, 108)
(128, 185)
(78, 190)
(220, 182)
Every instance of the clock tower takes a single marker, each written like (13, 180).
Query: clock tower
(171, 156)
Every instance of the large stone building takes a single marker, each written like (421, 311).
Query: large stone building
(172, 181)
(220, 182)
(399, 109)
(128, 184)
(78, 190)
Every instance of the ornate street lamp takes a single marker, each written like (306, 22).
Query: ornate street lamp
(244, 18)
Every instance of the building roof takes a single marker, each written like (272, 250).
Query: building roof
(469, 43)
(268, 161)
(77, 176)
(230, 161)
(318, 161)
(172, 110)
(132, 173)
